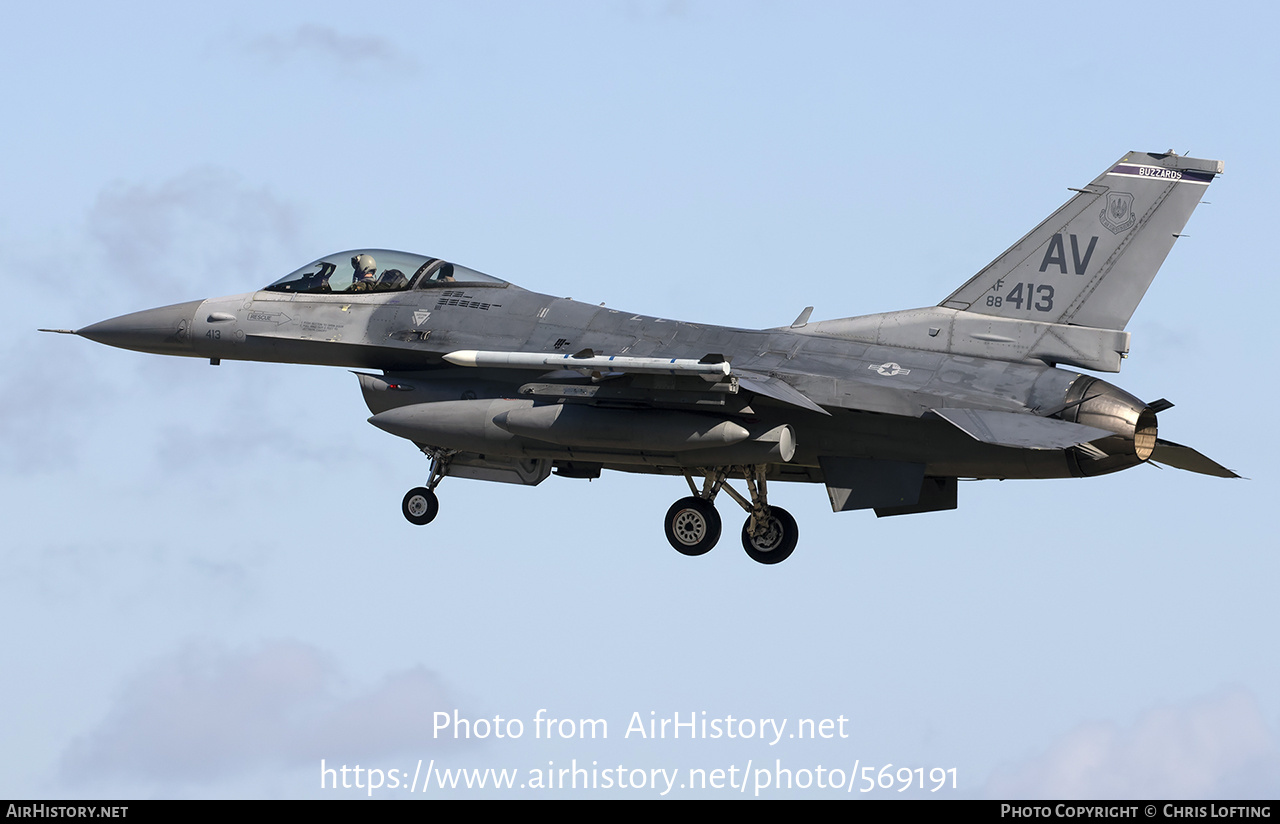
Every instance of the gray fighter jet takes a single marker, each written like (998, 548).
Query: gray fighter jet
(889, 411)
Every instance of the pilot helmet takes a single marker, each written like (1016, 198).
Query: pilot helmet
(364, 264)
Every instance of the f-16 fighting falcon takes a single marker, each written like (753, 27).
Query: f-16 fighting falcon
(497, 383)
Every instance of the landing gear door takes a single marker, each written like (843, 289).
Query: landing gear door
(524, 471)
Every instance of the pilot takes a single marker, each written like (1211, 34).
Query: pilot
(365, 268)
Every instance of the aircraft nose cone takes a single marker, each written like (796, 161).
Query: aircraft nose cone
(164, 331)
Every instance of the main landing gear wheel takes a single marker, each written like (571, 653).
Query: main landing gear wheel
(693, 526)
(776, 541)
(420, 506)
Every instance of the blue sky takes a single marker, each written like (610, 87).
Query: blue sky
(207, 586)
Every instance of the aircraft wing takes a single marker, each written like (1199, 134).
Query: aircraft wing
(1019, 429)
(1184, 457)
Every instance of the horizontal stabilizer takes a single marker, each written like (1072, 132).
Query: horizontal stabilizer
(777, 389)
(1184, 457)
(1019, 430)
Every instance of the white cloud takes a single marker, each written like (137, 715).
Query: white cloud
(332, 48)
(177, 237)
(206, 713)
(143, 245)
(1216, 747)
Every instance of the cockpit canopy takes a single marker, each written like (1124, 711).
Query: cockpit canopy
(378, 270)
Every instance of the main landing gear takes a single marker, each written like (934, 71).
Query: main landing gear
(420, 504)
(693, 525)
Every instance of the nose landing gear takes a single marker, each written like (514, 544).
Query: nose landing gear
(420, 505)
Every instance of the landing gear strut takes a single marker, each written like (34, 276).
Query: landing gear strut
(693, 526)
(420, 505)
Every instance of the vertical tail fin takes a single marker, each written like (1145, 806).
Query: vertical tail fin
(1090, 262)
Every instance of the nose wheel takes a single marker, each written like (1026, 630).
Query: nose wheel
(420, 506)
